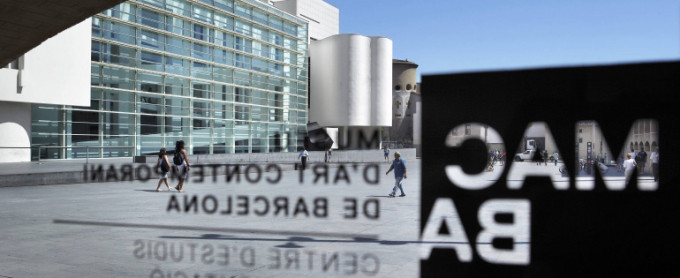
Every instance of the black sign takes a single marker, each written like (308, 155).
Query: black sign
(523, 219)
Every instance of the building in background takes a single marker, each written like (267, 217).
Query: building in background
(405, 97)
(351, 77)
(53, 74)
(225, 76)
(323, 18)
(494, 142)
(591, 142)
(644, 135)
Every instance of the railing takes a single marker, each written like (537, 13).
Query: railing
(397, 144)
(87, 149)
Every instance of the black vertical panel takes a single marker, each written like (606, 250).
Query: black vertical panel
(574, 233)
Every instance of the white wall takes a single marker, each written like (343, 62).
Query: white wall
(55, 72)
(323, 18)
(351, 78)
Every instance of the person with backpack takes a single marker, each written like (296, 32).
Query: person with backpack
(163, 166)
(304, 155)
(181, 164)
(641, 160)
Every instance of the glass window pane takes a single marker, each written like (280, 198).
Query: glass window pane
(201, 109)
(290, 28)
(155, 3)
(242, 27)
(200, 32)
(120, 55)
(151, 61)
(276, 22)
(224, 75)
(151, 40)
(241, 78)
(202, 14)
(148, 82)
(223, 93)
(227, 5)
(178, 26)
(117, 78)
(224, 21)
(178, 46)
(242, 61)
(224, 39)
(123, 11)
(259, 65)
(176, 65)
(201, 51)
(150, 104)
(201, 70)
(176, 86)
(178, 7)
(223, 57)
(119, 32)
(96, 27)
(275, 38)
(243, 44)
(151, 19)
(242, 10)
(259, 33)
(241, 95)
(260, 16)
(201, 90)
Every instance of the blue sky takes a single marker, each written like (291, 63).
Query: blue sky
(478, 35)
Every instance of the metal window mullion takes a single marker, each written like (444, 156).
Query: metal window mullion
(62, 152)
(195, 21)
(192, 59)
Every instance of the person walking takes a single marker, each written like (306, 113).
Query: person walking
(545, 157)
(399, 167)
(629, 167)
(304, 155)
(163, 166)
(654, 159)
(641, 160)
(387, 154)
(555, 157)
(182, 166)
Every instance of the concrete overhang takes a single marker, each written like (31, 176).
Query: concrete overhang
(25, 24)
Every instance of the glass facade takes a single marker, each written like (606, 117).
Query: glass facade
(225, 76)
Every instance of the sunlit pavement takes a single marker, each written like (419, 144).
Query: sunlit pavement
(331, 221)
(346, 226)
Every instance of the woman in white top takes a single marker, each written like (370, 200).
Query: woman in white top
(629, 167)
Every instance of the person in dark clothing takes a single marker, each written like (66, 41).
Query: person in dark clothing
(303, 157)
(182, 166)
(641, 160)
